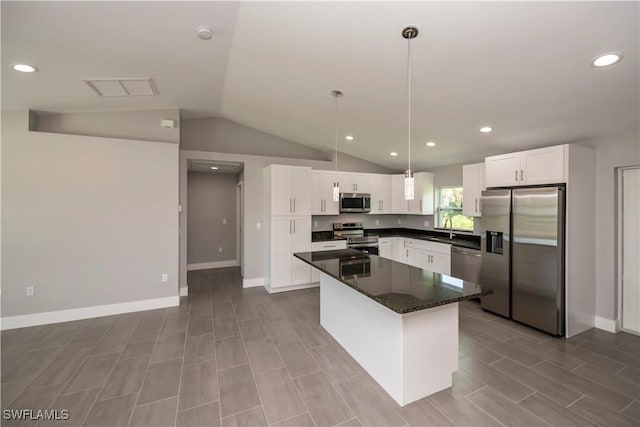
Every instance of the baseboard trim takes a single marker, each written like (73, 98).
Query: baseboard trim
(293, 287)
(48, 317)
(184, 291)
(214, 264)
(606, 324)
(252, 283)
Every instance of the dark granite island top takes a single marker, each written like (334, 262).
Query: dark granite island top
(397, 286)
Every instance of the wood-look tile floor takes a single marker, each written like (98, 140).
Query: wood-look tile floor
(241, 357)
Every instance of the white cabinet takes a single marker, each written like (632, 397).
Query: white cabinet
(532, 167)
(325, 246)
(385, 247)
(294, 235)
(423, 201)
(351, 182)
(291, 193)
(472, 187)
(287, 223)
(322, 193)
(399, 250)
(543, 166)
(380, 189)
(430, 256)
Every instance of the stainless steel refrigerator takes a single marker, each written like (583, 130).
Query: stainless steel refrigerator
(523, 255)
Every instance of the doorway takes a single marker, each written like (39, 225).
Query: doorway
(629, 248)
(213, 215)
(240, 222)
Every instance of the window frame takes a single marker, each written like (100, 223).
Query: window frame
(440, 222)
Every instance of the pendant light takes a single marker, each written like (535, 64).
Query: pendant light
(409, 33)
(336, 185)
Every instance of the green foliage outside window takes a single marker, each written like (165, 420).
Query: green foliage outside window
(451, 208)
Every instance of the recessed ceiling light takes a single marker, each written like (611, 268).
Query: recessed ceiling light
(606, 59)
(393, 153)
(214, 167)
(486, 129)
(204, 32)
(349, 138)
(431, 144)
(24, 68)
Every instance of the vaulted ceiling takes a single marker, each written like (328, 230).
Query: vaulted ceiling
(521, 67)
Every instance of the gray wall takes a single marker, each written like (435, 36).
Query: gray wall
(139, 125)
(624, 151)
(88, 221)
(223, 136)
(349, 163)
(211, 198)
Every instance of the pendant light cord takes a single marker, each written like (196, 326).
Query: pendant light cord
(336, 147)
(409, 97)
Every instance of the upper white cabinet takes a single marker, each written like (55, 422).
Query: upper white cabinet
(472, 187)
(543, 166)
(351, 182)
(422, 204)
(531, 167)
(322, 193)
(380, 189)
(290, 190)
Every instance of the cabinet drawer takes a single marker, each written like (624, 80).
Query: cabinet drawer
(385, 241)
(328, 246)
(428, 246)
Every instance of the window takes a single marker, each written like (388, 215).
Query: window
(450, 207)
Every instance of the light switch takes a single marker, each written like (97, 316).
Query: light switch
(258, 226)
(224, 220)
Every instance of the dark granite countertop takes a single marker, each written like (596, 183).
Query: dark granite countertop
(469, 241)
(399, 287)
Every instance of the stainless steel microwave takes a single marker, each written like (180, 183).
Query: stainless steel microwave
(355, 202)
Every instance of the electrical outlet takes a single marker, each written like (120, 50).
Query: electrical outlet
(220, 249)
(399, 221)
(165, 278)
(315, 224)
(426, 222)
(224, 220)
(258, 226)
(31, 291)
(377, 222)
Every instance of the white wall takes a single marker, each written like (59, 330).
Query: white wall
(88, 221)
(211, 199)
(614, 153)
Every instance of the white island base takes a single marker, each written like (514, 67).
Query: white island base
(410, 355)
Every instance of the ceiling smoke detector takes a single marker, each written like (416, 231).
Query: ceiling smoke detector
(204, 33)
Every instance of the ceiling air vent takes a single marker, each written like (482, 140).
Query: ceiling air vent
(122, 87)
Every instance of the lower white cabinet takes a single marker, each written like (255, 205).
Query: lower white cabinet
(423, 254)
(385, 247)
(291, 234)
(325, 246)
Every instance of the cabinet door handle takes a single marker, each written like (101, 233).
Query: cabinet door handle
(381, 205)
(476, 205)
(294, 204)
(289, 226)
(516, 175)
(521, 175)
(294, 226)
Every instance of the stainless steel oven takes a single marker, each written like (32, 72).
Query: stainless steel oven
(356, 239)
(355, 202)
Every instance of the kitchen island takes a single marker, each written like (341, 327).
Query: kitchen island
(399, 322)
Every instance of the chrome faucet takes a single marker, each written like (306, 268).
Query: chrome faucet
(450, 227)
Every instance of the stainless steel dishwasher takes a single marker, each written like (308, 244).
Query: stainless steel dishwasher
(466, 263)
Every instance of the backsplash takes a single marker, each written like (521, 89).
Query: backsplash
(416, 222)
